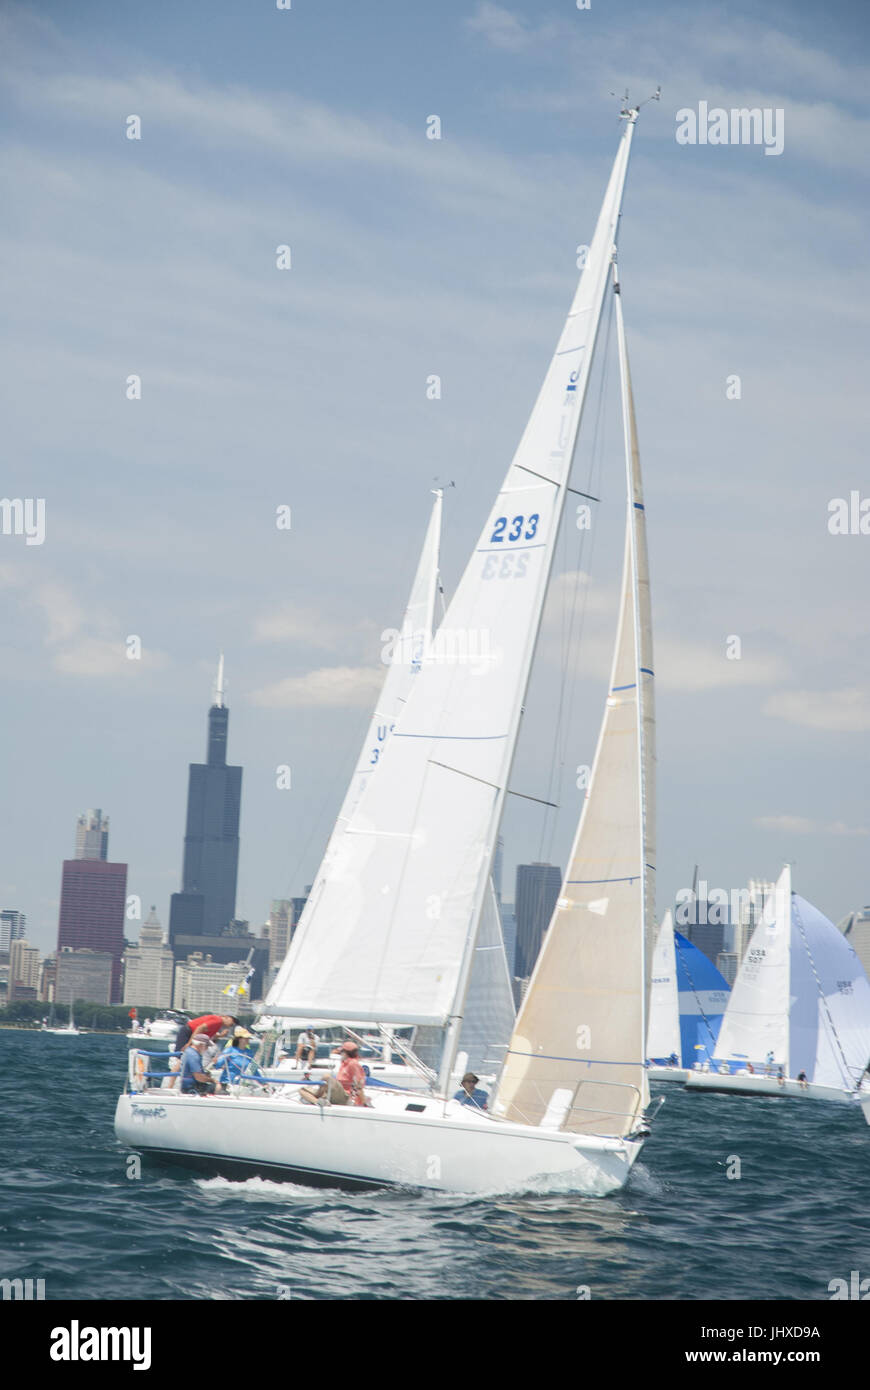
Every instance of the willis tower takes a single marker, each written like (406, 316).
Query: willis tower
(206, 905)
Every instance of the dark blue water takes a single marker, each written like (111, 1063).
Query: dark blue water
(795, 1219)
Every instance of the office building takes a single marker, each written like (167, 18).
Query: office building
(537, 891)
(13, 925)
(92, 901)
(148, 967)
(84, 974)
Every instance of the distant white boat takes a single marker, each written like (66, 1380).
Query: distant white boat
(160, 1031)
(798, 1020)
(69, 1029)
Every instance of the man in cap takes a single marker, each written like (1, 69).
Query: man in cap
(467, 1095)
(194, 1080)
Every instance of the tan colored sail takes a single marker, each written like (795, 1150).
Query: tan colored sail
(576, 1059)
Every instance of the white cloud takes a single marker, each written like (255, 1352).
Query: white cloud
(329, 687)
(291, 623)
(837, 711)
(802, 825)
(80, 642)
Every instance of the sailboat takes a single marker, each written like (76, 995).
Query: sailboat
(687, 1002)
(490, 1011)
(798, 1020)
(395, 929)
(69, 1029)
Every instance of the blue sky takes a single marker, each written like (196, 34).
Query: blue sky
(307, 387)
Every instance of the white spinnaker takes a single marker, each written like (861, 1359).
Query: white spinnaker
(663, 1028)
(576, 1059)
(397, 916)
(756, 1021)
(828, 973)
(489, 1005)
(406, 652)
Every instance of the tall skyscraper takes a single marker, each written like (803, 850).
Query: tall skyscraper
(538, 888)
(12, 928)
(207, 902)
(92, 836)
(93, 897)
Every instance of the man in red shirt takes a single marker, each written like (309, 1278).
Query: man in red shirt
(210, 1024)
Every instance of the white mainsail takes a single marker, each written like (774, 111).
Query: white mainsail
(397, 915)
(407, 648)
(663, 1028)
(755, 1024)
(576, 1059)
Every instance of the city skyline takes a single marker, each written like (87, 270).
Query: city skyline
(456, 258)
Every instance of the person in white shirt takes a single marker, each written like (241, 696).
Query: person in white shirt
(307, 1043)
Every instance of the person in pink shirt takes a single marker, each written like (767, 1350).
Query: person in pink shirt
(351, 1074)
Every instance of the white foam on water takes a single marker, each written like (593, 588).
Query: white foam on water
(262, 1188)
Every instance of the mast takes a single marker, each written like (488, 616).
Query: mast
(642, 637)
(596, 270)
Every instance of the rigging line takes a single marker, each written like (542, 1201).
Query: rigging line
(795, 911)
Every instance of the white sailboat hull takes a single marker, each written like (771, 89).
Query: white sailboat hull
(440, 1145)
(865, 1106)
(668, 1074)
(747, 1085)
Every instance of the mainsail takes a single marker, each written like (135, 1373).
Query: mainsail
(576, 1059)
(663, 1030)
(755, 1026)
(397, 915)
(687, 1000)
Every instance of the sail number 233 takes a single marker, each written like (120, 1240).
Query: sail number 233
(507, 566)
(520, 526)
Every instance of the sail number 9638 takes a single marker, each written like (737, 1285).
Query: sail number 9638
(517, 524)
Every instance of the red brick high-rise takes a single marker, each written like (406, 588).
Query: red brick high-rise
(93, 898)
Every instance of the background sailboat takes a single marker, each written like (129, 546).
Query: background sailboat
(800, 1004)
(688, 996)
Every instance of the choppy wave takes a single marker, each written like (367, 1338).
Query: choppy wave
(795, 1218)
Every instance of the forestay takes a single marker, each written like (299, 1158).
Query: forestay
(391, 935)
